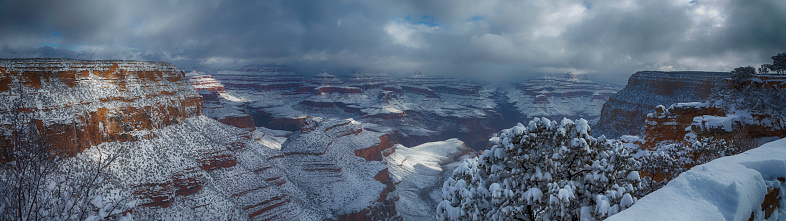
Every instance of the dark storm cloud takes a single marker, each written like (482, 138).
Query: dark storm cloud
(490, 39)
(756, 26)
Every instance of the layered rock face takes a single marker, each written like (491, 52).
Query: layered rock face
(734, 110)
(77, 104)
(181, 165)
(626, 111)
(210, 171)
(338, 164)
(674, 123)
(560, 96)
(204, 170)
(218, 104)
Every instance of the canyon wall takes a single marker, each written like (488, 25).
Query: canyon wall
(414, 109)
(625, 112)
(750, 109)
(77, 104)
(182, 165)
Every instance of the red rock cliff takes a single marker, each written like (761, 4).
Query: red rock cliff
(721, 116)
(625, 112)
(80, 103)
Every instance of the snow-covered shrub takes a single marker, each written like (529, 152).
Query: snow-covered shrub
(741, 74)
(752, 97)
(663, 164)
(543, 171)
(669, 159)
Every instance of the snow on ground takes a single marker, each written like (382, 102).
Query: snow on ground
(324, 165)
(728, 188)
(272, 139)
(419, 172)
(177, 149)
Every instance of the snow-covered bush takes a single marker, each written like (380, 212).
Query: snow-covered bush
(543, 171)
(741, 74)
(668, 159)
(663, 164)
(765, 100)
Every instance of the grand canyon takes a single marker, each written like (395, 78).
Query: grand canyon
(531, 110)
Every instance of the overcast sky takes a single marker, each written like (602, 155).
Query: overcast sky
(490, 38)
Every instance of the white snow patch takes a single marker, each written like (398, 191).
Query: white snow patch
(728, 188)
(419, 173)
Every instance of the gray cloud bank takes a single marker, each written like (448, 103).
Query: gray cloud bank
(495, 39)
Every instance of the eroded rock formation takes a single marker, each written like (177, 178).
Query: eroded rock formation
(339, 163)
(77, 104)
(737, 110)
(626, 111)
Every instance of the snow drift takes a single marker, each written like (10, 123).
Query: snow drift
(728, 188)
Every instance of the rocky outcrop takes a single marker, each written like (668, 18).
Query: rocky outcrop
(339, 163)
(377, 151)
(418, 173)
(77, 103)
(674, 123)
(243, 121)
(202, 169)
(736, 110)
(626, 111)
(202, 82)
(218, 103)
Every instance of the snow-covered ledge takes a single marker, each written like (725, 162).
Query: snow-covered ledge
(728, 188)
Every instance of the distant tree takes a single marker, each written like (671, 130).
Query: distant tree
(778, 63)
(742, 74)
(765, 68)
(543, 171)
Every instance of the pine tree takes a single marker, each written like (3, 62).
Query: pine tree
(779, 63)
(545, 170)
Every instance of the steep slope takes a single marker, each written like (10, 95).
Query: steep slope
(338, 164)
(203, 170)
(181, 165)
(419, 172)
(625, 112)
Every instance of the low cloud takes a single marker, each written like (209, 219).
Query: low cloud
(498, 39)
